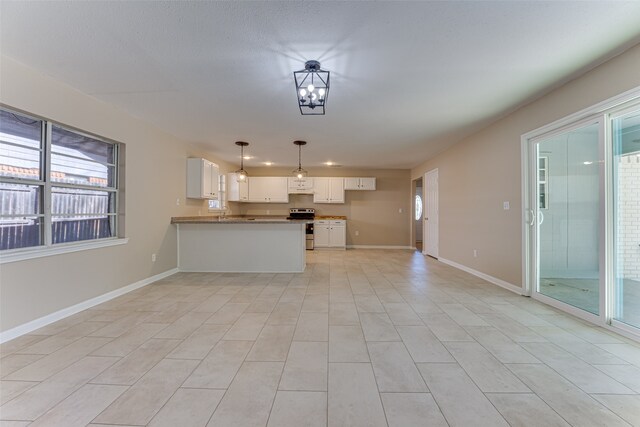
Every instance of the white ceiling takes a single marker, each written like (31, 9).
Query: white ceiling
(408, 79)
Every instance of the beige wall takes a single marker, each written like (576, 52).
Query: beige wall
(375, 214)
(155, 178)
(479, 173)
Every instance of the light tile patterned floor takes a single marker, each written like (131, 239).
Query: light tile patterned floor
(362, 338)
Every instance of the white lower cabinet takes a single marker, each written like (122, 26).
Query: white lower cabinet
(321, 234)
(330, 234)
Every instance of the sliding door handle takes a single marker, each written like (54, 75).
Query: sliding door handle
(532, 216)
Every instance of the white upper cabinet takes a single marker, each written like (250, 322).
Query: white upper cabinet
(359, 183)
(300, 185)
(237, 191)
(328, 190)
(202, 179)
(268, 189)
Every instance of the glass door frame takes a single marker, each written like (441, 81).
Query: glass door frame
(611, 242)
(535, 214)
(602, 114)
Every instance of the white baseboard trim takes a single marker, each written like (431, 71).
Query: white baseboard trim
(377, 247)
(31, 326)
(509, 286)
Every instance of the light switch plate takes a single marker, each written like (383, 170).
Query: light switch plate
(505, 206)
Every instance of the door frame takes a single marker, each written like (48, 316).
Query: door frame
(534, 216)
(424, 213)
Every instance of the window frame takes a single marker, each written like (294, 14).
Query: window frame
(415, 208)
(222, 196)
(46, 184)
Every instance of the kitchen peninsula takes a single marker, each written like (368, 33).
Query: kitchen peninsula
(240, 244)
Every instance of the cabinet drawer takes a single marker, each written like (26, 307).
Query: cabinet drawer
(338, 222)
(322, 222)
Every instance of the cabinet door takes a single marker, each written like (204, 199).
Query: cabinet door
(321, 235)
(337, 236)
(321, 190)
(258, 189)
(367, 183)
(202, 179)
(277, 191)
(268, 189)
(243, 191)
(206, 176)
(293, 183)
(336, 190)
(352, 183)
(213, 173)
(306, 184)
(233, 188)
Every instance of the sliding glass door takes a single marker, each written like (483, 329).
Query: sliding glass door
(582, 214)
(567, 216)
(626, 202)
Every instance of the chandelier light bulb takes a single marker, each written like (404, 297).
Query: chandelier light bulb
(242, 176)
(299, 175)
(322, 92)
(303, 92)
(314, 96)
(311, 88)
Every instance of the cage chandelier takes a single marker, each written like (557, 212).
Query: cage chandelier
(312, 88)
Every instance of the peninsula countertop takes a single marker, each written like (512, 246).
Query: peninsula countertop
(215, 219)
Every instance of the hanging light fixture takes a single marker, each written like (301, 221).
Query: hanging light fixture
(299, 173)
(241, 174)
(312, 88)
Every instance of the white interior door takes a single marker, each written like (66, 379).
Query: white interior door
(430, 240)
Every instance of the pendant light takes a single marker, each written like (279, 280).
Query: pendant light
(300, 173)
(241, 174)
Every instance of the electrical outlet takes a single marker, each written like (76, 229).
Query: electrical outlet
(400, 210)
(475, 253)
(357, 233)
(153, 257)
(505, 206)
(178, 201)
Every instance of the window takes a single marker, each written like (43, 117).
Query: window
(543, 181)
(220, 202)
(56, 185)
(418, 213)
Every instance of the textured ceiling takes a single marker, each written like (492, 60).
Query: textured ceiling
(408, 79)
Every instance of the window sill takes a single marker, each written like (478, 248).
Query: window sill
(15, 255)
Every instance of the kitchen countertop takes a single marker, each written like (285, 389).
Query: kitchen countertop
(215, 219)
